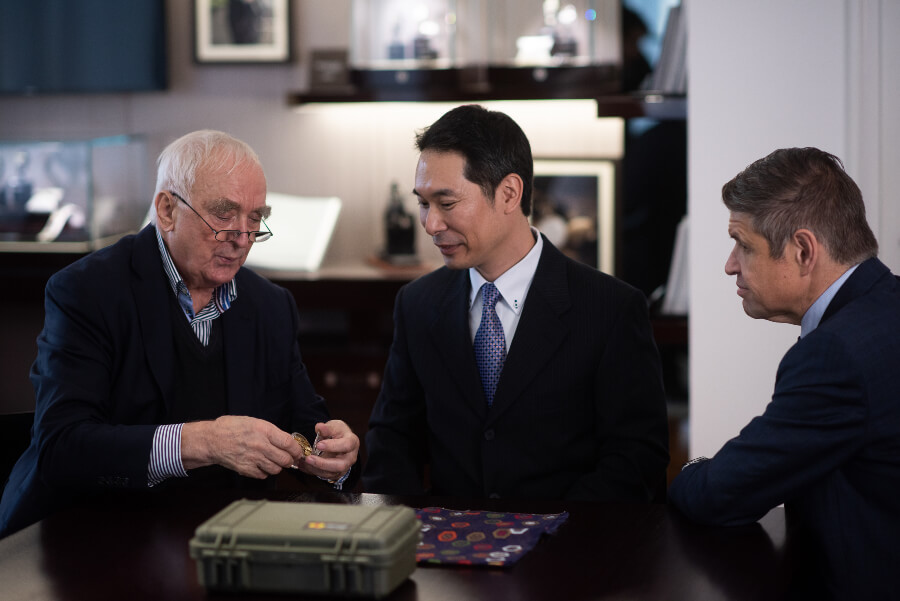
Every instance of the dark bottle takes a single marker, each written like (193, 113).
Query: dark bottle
(396, 49)
(400, 227)
(422, 48)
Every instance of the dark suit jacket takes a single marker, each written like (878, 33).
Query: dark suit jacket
(104, 376)
(827, 445)
(579, 410)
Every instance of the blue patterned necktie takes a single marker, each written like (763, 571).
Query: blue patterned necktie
(490, 344)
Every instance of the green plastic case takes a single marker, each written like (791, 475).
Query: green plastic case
(271, 546)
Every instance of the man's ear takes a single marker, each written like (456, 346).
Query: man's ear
(165, 209)
(509, 193)
(806, 250)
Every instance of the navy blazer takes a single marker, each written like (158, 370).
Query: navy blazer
(827, 445)
(104, 376)
(579, 411)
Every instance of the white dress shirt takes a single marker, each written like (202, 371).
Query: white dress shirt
(513, 286)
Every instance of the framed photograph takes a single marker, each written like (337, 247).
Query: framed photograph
(242, 31)
(574, 206)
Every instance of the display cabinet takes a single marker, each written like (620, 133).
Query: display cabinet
(445, 50)
(71, 196)
(405, 34)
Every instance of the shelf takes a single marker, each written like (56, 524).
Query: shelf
(470, 84)
(73, 247)
(476, 84)
(652, 105)
(372, 269)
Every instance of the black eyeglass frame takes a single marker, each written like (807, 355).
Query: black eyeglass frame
(230, 235)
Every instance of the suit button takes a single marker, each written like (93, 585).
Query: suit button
(489, 435)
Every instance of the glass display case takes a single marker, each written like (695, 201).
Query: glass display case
(445, 50)
(417, 34)
(394, 34)
(71, 196)
(552, 33)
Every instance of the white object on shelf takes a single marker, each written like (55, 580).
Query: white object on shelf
(58, 220)
(675, 302)
(301, 227)
(44, 200)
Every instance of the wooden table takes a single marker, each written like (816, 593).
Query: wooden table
(135, 546)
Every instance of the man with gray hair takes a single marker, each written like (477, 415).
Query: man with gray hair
(162, 360)
(828, 444)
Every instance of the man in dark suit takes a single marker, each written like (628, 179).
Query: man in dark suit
(828, 444)
(551, 388)
(163, 360)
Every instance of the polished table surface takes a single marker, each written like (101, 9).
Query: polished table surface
(135, 546)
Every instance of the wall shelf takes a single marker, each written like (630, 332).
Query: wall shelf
(652, 105)
(477, 84)
(470, 84)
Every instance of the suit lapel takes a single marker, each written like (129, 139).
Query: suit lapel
(154, 309)
(449, 331)
(540, 331)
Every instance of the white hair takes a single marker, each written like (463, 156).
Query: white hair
(206, 149)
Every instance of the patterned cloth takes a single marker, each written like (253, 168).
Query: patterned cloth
(481, 537)
(490, 344)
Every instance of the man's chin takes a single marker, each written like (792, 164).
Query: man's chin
(752, 311)
(455, 263)
(759, 313)
(223, 276)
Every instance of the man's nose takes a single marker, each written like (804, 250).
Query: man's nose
(731, 264)
(432, 221)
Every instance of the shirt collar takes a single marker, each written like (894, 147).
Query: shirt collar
(222, 296)
(814, 314)
(515, 281)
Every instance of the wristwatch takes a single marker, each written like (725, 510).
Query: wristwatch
(694, 460)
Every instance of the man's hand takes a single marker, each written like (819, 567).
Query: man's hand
(339, 447)
(249, 446)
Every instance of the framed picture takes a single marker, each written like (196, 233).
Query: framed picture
(242, 31)
(574, 206)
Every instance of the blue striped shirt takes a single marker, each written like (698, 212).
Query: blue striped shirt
(221, 300)
(165, 455)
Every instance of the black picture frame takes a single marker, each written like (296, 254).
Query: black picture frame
(574, 206)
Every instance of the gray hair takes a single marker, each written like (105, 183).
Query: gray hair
(794, 188)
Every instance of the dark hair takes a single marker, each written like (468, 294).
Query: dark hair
(492, 144)
(794, 188)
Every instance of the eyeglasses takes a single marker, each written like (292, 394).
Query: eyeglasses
(230, 235)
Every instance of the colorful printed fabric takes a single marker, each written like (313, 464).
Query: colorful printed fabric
(481, 537)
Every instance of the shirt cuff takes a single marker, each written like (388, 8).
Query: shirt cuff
(165, 455)
(339, 483)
